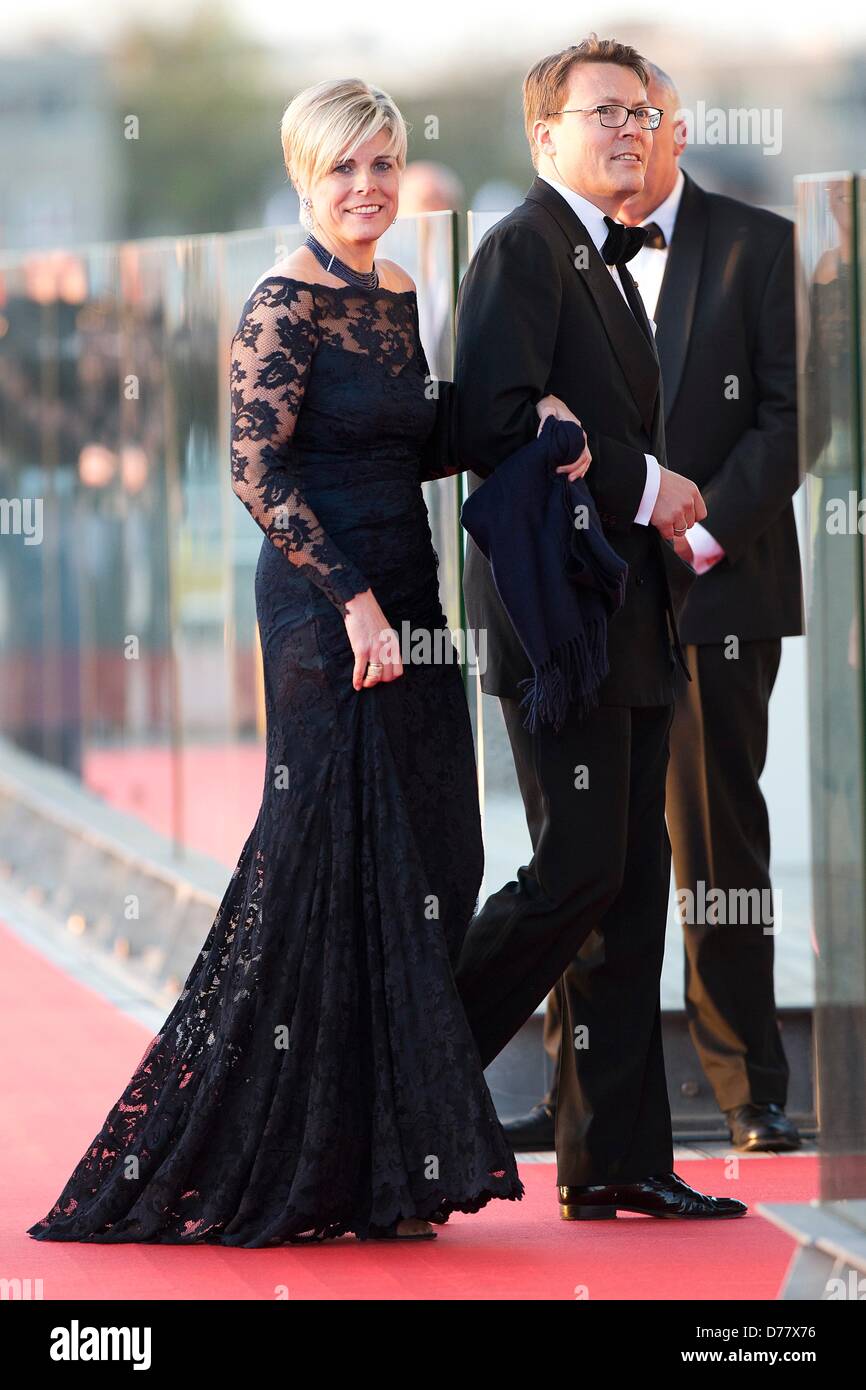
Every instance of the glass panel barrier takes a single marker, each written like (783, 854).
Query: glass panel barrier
(831, 453)
(84, 622)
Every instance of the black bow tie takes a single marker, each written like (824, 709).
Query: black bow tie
(655, 236)
(621, 243)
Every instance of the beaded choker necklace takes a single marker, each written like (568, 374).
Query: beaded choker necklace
(364, 279)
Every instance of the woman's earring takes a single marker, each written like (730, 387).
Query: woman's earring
(307, 212)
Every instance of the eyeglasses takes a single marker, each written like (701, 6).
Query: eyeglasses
(647, 117)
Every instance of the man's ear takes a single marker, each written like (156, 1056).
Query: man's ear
(681, 136)
(543, 137)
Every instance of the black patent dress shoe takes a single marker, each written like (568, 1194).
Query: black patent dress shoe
(533, 1131)
(663, 1195)
(763, 1128)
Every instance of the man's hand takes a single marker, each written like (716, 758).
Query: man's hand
(552, 405)
(678, 505)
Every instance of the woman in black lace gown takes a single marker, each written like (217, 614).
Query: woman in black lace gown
(317, 1076)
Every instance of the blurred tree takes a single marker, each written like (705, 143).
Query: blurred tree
(209, 100)
(208, 154)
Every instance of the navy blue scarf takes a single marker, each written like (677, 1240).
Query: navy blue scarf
(557, 576)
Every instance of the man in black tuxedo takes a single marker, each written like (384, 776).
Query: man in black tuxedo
(718, 276)
(548, 309)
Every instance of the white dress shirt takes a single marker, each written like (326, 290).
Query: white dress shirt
(593, 220)
(648, 268)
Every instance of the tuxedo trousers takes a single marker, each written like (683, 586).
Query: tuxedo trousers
(597, 888)
(720, 833)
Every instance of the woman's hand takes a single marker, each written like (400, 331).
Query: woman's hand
(372, 641)
(552, 405)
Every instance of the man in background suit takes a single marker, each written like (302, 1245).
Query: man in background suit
(717, 276)
(548, 309)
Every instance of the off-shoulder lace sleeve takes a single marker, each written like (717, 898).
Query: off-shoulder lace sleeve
(271, 353)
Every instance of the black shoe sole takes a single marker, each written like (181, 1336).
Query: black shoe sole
(572, 1212)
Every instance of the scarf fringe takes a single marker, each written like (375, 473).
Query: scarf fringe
(571, 675)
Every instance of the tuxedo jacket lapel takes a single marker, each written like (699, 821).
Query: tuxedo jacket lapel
(636, 356)
(675, 310)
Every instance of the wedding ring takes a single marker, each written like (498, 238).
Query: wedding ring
(374, 667)
(680, 533)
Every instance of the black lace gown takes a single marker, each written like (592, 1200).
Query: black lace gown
(317, 1073)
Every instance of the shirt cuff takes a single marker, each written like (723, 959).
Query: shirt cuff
(650, 492)
(705, 548)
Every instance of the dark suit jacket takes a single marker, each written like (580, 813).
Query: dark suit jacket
(534, 317)
(726, 310)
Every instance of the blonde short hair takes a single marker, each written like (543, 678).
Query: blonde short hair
(326, 122)
(546, 83)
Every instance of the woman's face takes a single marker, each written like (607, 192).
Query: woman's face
(357, 200)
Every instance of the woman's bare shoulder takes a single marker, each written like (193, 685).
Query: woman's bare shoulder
(397, 278)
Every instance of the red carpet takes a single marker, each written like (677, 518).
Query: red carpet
(67, 1056)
